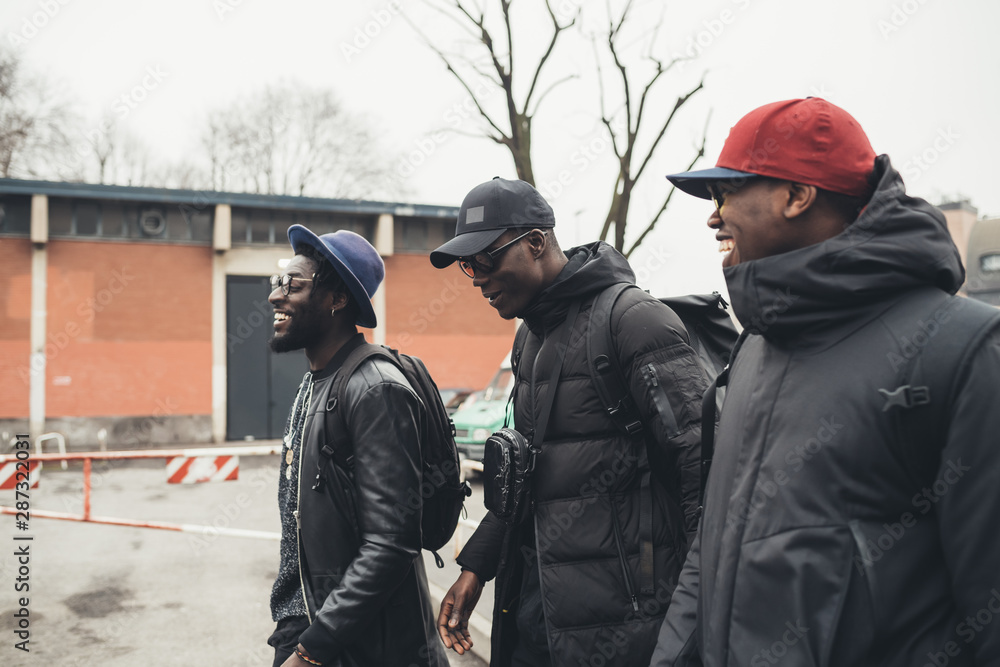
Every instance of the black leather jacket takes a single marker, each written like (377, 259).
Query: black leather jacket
(362, 573)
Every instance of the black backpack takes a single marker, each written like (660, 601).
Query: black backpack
(442, 492)
(711, 334)
(710, 331)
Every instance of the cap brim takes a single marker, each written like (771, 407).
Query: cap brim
(696, 182)
(297, 235)
(464, 245)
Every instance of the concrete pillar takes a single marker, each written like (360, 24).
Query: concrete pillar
(222, 228)
(39, 313)
(221, 242)
(378, 303)
(385, 235)
(385, 245)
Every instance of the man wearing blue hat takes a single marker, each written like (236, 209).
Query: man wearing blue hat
(351, 587)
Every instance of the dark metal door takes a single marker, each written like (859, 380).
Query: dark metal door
(261, 384)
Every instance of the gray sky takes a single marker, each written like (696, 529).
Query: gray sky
(920, 75)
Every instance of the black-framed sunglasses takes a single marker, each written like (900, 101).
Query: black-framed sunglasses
(720, 189)
(485, 262)
(284, 281)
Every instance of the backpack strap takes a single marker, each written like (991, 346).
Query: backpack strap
(709, 408)
(515, 364)
(946, 332)
(609, 381)
(338, 446)
(605, 369)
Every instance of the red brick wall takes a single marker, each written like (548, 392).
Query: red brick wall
(439, 316)
(15, 327)
(129, 329)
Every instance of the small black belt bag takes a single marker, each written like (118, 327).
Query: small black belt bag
(509, 456)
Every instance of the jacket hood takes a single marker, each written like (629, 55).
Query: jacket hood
(591, 268)
(897, 244)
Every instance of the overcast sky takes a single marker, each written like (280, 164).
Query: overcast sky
(922, 77)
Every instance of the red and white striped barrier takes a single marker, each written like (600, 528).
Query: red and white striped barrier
(194, 465)
(8, 474)
(197, 469)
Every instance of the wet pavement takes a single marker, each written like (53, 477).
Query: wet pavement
(117, 596)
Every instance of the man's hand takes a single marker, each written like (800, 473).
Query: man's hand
(295, 661)
(456, 608)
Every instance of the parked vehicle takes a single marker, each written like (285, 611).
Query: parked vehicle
(453, 398)
(482, 413)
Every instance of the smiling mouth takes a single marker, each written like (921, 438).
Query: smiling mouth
(726, 245)
(281, 317)
(492, 297)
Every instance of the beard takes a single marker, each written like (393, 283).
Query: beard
(304, 329)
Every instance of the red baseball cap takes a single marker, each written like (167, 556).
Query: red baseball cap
(807, 141)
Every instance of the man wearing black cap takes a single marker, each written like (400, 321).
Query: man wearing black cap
(351, 587)
(585, 578)
(850, 512)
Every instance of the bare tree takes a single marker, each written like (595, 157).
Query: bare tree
(293, 140)
(35, 122)
(632, 161)
(495, 41)
(514, 131)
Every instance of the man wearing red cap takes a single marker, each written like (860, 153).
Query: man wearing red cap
(849, 516)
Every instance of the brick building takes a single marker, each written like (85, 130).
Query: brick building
(143, 311)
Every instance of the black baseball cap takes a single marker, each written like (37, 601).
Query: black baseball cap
(489, 210)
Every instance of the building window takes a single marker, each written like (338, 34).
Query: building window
(420, 235)
(270, 227)
(15, 214)
(60, 217)
(86, 218)
(199, 222)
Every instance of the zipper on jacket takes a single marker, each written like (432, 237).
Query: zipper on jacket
(622, 560)
(306, 403)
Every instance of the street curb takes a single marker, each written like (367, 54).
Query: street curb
(480, 625)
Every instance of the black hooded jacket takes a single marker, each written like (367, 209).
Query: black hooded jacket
(833, 534)
(587, 483)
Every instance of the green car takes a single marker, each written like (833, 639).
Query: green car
(482, 413)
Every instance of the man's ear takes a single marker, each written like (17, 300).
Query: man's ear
(800, 199)
(339, 300)
(537, 243)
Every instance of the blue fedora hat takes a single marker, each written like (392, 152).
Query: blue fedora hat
(355, 261)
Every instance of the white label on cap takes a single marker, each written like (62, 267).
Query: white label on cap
(474, 215)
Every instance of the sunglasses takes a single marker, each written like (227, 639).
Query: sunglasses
(285, 282)
(720, 189)
(483, 263)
